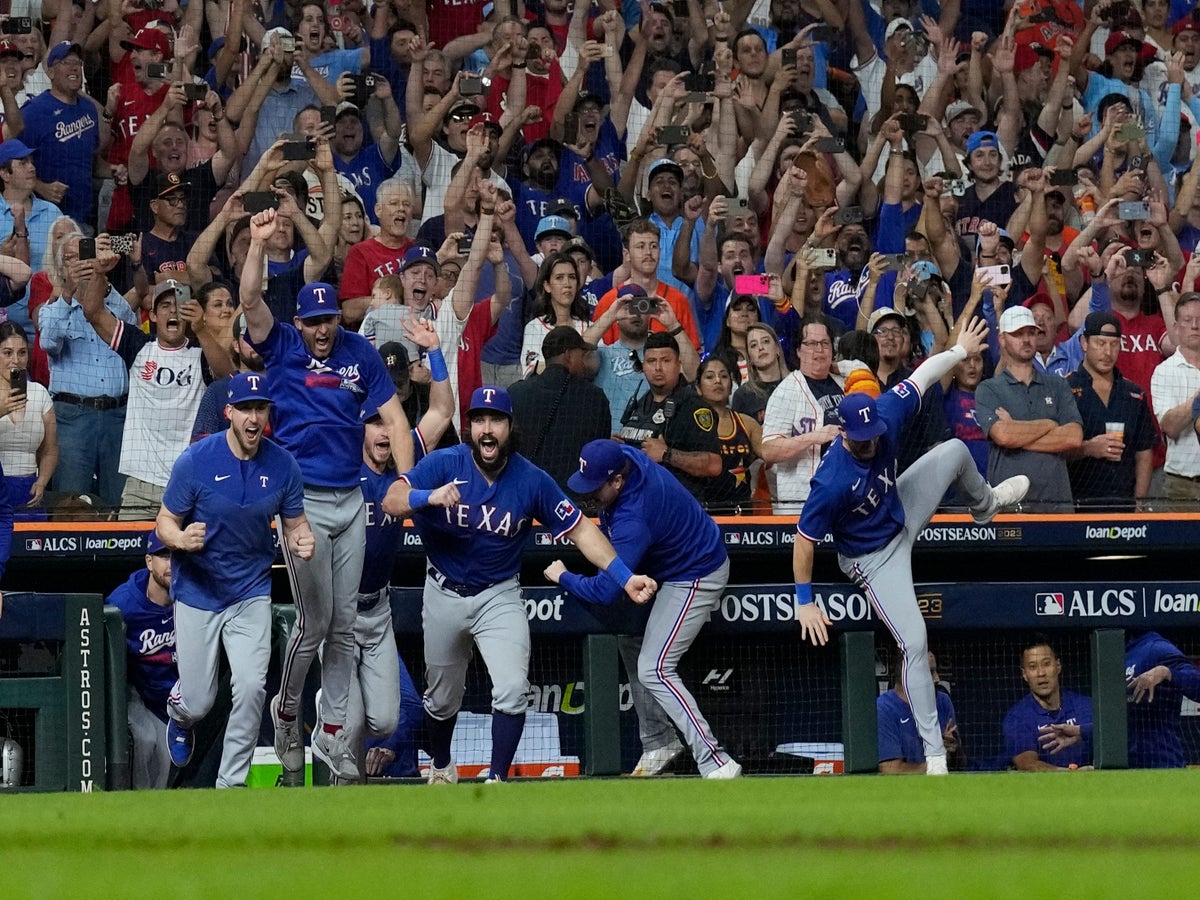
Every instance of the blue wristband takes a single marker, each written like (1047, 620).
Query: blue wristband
(437, 365)
(804, 594)
(418, 498)
(618, 572)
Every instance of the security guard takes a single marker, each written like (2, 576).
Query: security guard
(670, 422)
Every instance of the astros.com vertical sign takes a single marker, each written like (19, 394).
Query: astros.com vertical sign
(85, 691)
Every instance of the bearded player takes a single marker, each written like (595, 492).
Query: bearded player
(875, 518)
(472, 506)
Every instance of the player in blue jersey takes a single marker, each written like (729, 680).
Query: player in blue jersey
(216, 515)
(1159, 677)
(322, 377)
(383, 698)
(656, 524)
(473, 506)
(875, 518)
(1050, 729)
(145, 604)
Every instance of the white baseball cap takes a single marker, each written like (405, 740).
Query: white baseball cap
(1015, 318)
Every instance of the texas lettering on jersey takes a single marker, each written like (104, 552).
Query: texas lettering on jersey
(877, 493)
(484, 517)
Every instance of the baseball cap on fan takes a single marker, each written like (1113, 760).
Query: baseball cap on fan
(149, 39)
(599, 461)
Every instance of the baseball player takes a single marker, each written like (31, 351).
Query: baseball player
(145, 604)
(655, 522)
(382, 687)
(875, 518)
(321, 376)
(473, 505)
(216, 515)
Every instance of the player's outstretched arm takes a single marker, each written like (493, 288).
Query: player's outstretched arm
(399, 433)
(299, 536)
(814, 624)
(597, 549)
(970, 339)
(402, 498)
(172, 532)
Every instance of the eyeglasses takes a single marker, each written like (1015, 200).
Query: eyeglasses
(889, 332)
(818, 345)
(174, 200)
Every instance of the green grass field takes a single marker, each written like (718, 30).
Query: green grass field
(1088, 834)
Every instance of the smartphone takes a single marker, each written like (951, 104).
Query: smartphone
(830, 145)
(958, 188)
(736, 206)
(895, 262)
(672, 134)
(183, 293)
(158, 70)
(1137, 164)
(998, 275)
(87, 248)
(825, 33)
(913, 122)
(607, 50)
(17, 25)
(299, 150)
(364, 88)
(18, 381)
(287, 44)
(1064, 178)
(1133, 210)
(825, 258)
(751, 284)
(470, 86)
(195, 92)
(571, 128)
(257, 201)
(788, 56)
(1131, 131)
(698, 86)
(121, 243)
(329, 116)
(464, 246)
(851, 215)
(1142, 259)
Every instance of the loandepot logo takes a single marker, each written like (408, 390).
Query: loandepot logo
(1112, 533)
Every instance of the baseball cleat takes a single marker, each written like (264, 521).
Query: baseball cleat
(1007, 493)
(936, 765)
(731, 769)
(654, 761)
(448, 775)
(180, 742)
(335, 752)
(289, 745)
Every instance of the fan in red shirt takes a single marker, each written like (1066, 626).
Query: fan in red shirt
(375, 257)
(543, 81)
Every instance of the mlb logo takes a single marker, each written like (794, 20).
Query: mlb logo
(33, 544)
(733, 537)
(542, 539)
(564, 510)
(1050, 604)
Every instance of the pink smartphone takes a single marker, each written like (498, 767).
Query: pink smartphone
(751, 284)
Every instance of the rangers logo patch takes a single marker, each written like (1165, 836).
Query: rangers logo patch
(564, 510)
(703, 418)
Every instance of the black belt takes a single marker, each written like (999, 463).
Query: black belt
(463, 590)
(1184, 477)
(90, 402)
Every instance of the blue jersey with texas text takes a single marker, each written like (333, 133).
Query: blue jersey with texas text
(236, 499)
(480, 540)
(317, 412)
(856, 500)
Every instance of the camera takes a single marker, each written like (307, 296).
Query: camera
(158, 70)
(643, 306)
(194, 92)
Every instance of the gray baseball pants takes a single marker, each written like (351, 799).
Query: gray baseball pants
(245, 630)
(151, 761)
(885, 575)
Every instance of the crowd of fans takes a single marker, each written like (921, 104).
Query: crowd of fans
(742, 209)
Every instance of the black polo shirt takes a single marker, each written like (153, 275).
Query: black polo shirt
(1093, 479)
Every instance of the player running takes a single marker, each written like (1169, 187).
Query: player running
(216, 515)
(654, 522)
(875, 518)
(473, 506)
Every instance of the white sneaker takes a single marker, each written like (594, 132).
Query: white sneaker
(1007, 493)
(334, 750)
(936, 765)
(448, 775)
(652, 762)
(731, 769)
(289, 744)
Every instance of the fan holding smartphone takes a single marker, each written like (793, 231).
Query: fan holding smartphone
(28, 440)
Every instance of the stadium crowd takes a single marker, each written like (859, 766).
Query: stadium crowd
(744, 209)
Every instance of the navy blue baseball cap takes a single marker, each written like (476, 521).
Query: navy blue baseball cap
(14, 149)
(245, 387)
(419, 254)
(490, 398)
(599, 461)
(154, 544)
(317, 299)
(860, 417)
